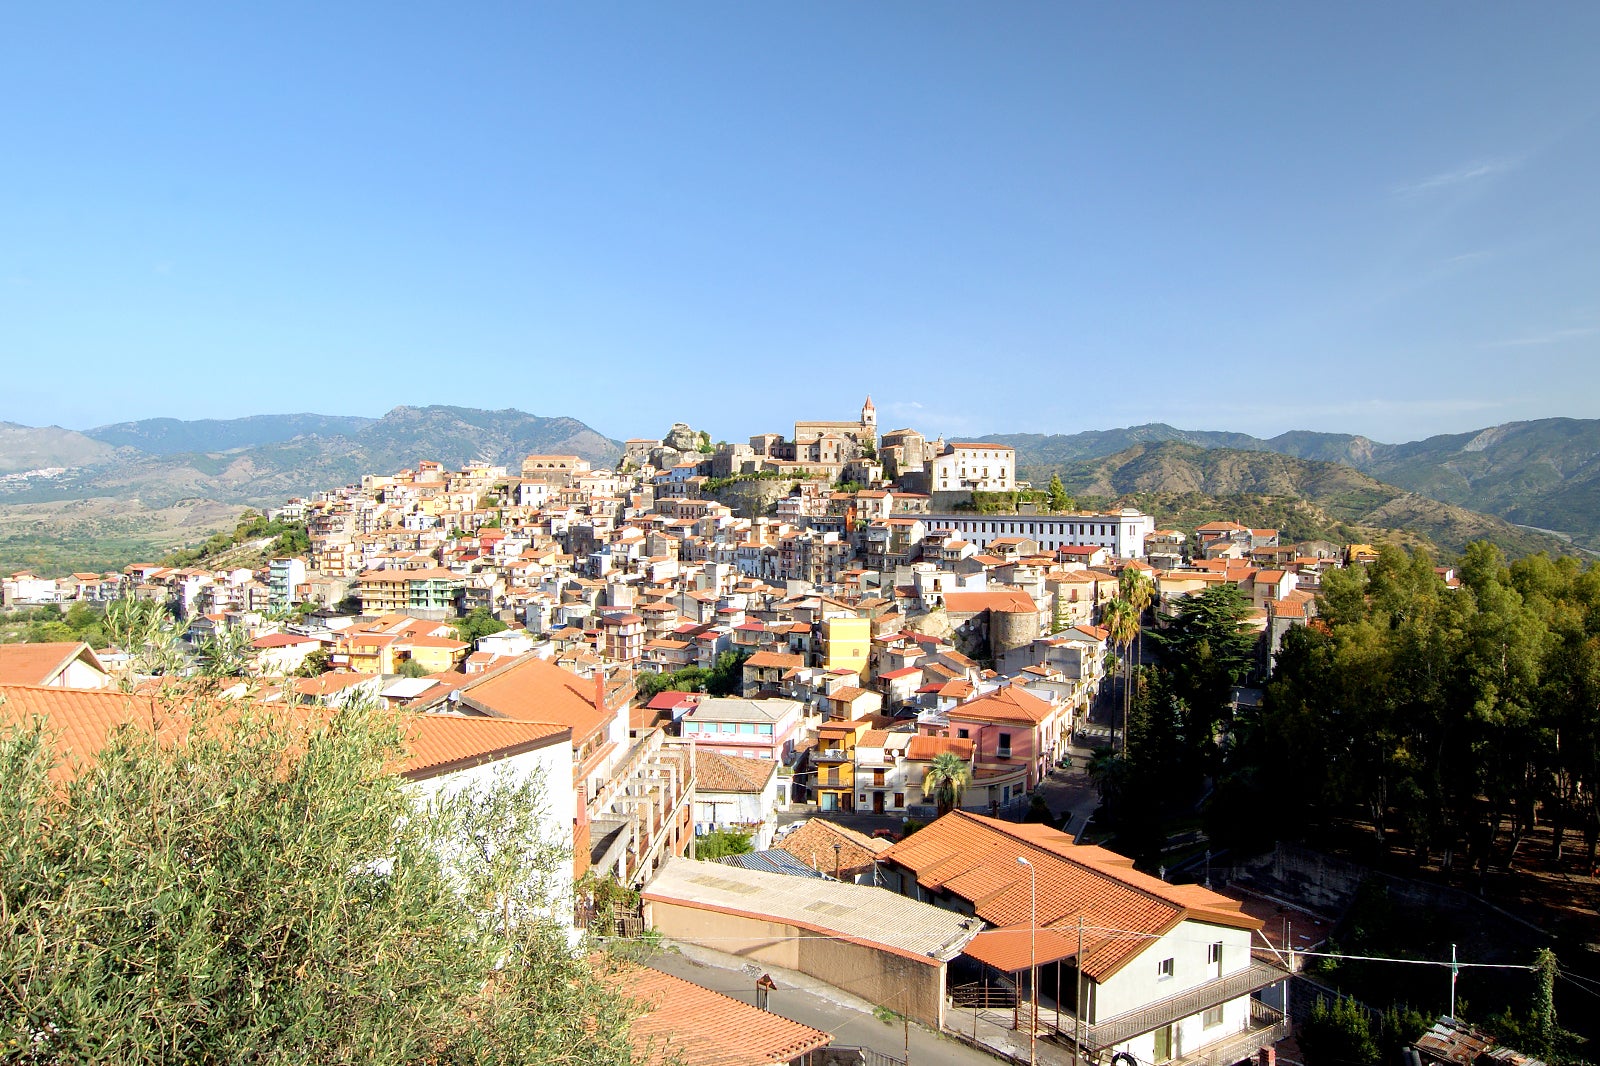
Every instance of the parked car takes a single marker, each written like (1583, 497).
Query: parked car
(887, 834)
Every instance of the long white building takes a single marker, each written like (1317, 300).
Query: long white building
(1121, 533)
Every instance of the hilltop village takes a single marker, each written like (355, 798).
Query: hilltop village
(767, 641)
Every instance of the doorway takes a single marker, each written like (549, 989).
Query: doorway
(1164, 1044)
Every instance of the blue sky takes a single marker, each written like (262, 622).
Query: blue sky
(1372, 218)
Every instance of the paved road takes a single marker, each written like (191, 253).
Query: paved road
(806, 1000)
(1066, 792)
(1070, 792)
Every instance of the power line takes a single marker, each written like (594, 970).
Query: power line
(1118, 934)
(1418, 962)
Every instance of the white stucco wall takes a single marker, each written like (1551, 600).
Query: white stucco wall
(1140, 983)
(80, 674)
(727, 809)
(552, 765)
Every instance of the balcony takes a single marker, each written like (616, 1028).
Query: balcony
(1123, 1027)
(832, 757)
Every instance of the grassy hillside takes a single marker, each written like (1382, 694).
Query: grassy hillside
(1544, 473)
(53, 539)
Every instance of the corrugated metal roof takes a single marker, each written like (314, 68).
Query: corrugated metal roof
(774, 861)
(860, 913)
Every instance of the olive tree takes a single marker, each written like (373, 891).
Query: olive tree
(236, 884)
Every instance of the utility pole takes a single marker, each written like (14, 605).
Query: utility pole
(1033, 959)
(1077, 1008)
(1454, 970)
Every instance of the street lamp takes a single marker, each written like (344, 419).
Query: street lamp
(1033, 959)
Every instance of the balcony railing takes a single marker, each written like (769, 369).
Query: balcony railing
(1123, 1027)
(832, 756)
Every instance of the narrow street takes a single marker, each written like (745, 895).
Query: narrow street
(807, 1000)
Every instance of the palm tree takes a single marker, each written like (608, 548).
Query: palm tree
(1134, 587)
(1122, 627)
(946, 780)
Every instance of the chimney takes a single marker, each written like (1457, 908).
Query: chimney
(600, 688)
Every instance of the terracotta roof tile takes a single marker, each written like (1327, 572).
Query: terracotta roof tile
(38, 664)
(683, 1022)
(724, 773)
(976, 858)
(533, 690)
(1010, 704)
(1006, 602)
(83, 720)
(813, 845)
(925, 748)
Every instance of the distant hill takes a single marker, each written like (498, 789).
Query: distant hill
(1308, 498)
(24, 448)
(266, 471)
(185, 480)
(1544, 473)
(168, 436)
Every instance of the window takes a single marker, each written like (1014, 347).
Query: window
(963, 734)
(1003, 748)
(1164, 969)
(1212, 1018)
(1214, 953)
(899, 799)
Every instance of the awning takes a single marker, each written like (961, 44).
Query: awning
(1008, 949)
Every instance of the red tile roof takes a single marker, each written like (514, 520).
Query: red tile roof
(724, 773)
(775, 660)
(39, 664)
(1010, 704)
(537, 691)
(813, 845)
(976, 858)
(683, 1022)
(925, 748)
(1004, 601)
(83, 720)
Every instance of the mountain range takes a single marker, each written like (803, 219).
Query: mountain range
(115, 494)
(1543, 473)
(1185, 485)
(88, 498)
(266, 458)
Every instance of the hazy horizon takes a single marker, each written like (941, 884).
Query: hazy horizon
(1370, 219)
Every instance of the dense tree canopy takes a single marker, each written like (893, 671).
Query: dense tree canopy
(725, 678)
(246, 889)
(1445, 719)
